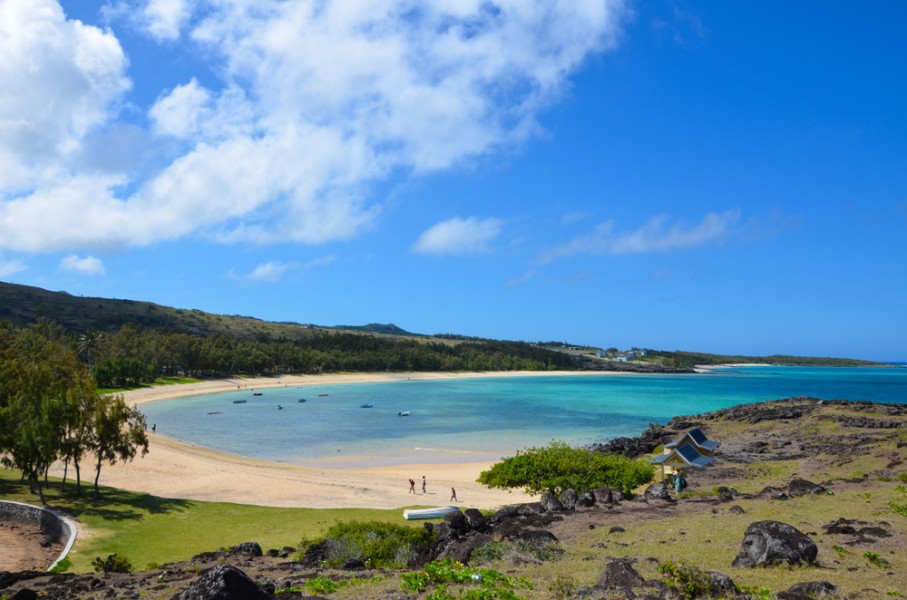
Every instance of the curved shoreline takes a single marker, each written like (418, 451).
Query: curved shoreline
(177, 469)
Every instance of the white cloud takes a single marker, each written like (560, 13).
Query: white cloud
(458, 236)
(10, 267)
(86, 266)
(655, 236)
(165, 18)
(317, 102)
(180, 112)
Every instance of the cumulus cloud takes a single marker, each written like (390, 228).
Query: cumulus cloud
(316, 103)
(88, 265)
(658, 235)
(458, 236)
(61, 79)
(165, 18)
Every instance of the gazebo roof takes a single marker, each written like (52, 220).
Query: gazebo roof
(685, 454)
(697, 439)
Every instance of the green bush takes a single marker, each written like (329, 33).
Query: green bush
(687, 581)
(484, 584)
(112, 564)
(378, 543)
(558, 467)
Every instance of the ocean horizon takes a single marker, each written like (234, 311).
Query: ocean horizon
(484, 419)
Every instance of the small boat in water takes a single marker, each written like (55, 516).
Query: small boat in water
(366, 405)
(301, 400)
(429, 513)
(322, 394)
(280, 407)
(258, 394)
(403, 413)
(240, 401)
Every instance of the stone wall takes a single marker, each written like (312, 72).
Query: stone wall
(55, 525)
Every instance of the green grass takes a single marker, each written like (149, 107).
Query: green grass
(149, 530)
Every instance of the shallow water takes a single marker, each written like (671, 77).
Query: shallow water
(463, 420)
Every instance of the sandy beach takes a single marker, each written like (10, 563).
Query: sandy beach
(175, 469)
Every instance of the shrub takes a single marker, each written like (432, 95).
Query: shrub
(112, 564)
(686, 580)
(62, 566)
(491, 584)
(558, 467)
(377, 543)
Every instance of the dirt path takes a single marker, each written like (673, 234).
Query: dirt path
(21, 550)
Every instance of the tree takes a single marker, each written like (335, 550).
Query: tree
(558, 467)
(119, 433)
(88, 344)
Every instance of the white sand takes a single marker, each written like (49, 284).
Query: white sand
(175, 469)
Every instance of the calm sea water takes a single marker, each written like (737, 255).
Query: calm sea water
(485, 419)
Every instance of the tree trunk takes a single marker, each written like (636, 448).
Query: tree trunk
(78, 477)
(97, 476)
(65, 471)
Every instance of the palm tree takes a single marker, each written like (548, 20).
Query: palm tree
(88, 343)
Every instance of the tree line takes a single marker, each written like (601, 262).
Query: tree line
(50, 409)
(130, 357)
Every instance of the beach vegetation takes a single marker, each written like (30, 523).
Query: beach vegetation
(515, 552)
(474, 583)
(558, 467)
(378, 544)
(114, 563)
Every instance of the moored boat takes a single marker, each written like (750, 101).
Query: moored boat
(403, 413)
(366, 405)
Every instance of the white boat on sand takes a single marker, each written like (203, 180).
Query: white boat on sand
(439, 512)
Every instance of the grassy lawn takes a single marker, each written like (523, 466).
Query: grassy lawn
(148, 530)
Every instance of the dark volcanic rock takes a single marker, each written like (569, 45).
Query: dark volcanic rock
(725, 494)
(223, 582)
(802, 487)
(585, 500)
(250, 548)
(810, 590)
(658, 491)
(551, 503)
(475, 519)
(772, 542)
(650, 439)
(722, 585)
(620, 574)
(569, 498)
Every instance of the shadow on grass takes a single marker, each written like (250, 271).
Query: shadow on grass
(113, 504)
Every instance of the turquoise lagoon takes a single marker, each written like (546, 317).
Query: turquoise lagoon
(464, 420)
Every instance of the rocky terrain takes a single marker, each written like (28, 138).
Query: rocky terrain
(806, 499)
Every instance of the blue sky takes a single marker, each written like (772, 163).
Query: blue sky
(715, 176)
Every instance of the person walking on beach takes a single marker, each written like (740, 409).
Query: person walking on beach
(423, 484)
(453, 495)
(412, 485)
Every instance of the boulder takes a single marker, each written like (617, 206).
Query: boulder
(462, 550)
(585, 500)
(620, 574)
(657, 491)
(475, 519)
(223, 582)
(550, 503)
(722, 585)
(569, 498)
(250, 548)
(772, 542)
(608, 495)
(457, 521)
(802, 487)
(810, 590)
(725, 494)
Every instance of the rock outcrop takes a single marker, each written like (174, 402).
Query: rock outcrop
(772, 542)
